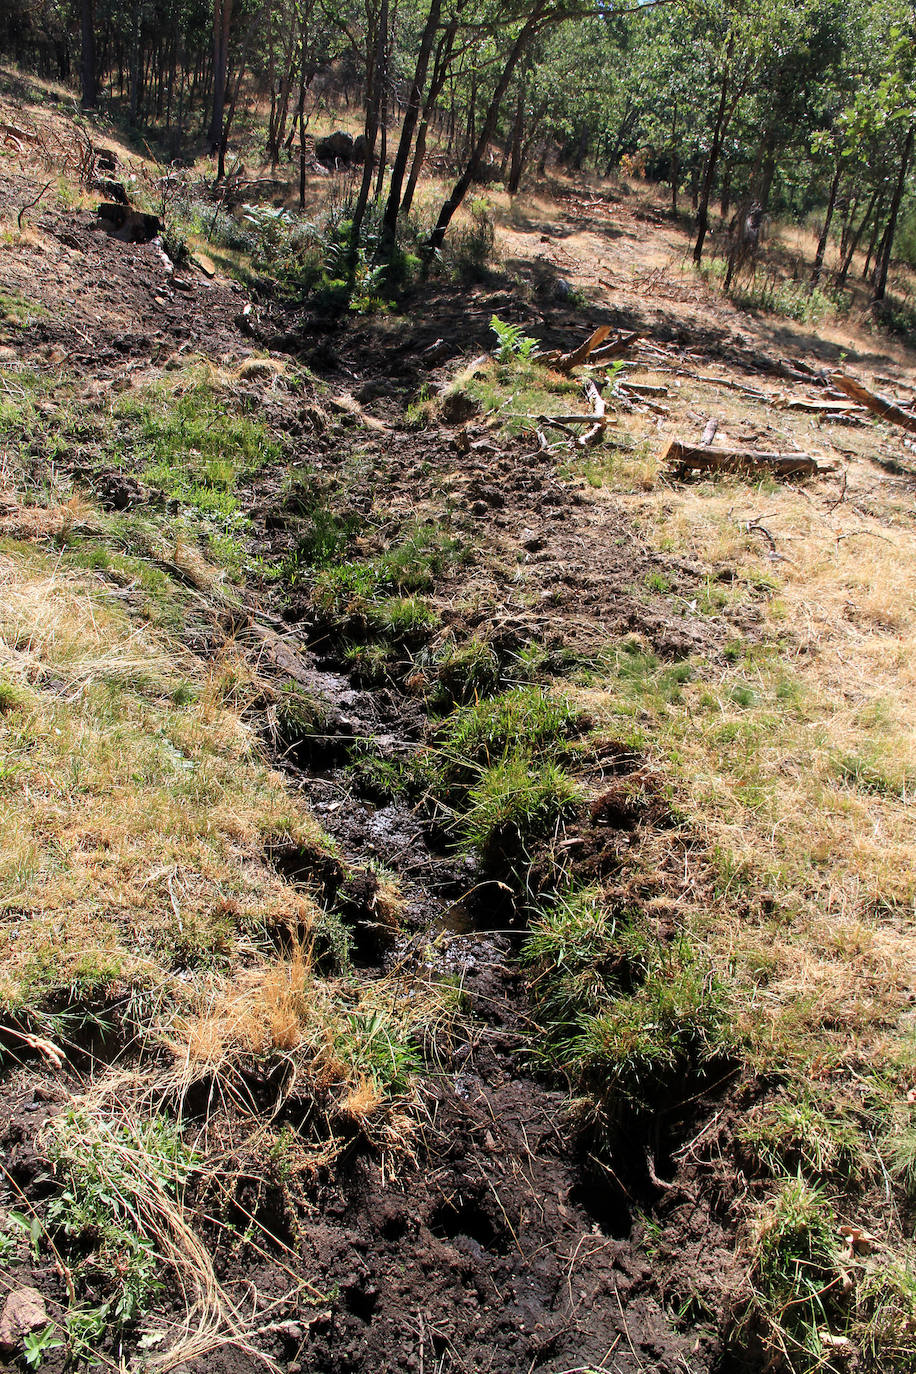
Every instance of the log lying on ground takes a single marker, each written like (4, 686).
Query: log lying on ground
(878, 405)
(590, 351)
(702, 459)
(615, 348)
(822, 407)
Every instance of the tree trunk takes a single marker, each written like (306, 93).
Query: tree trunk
(460, 189)
(518, 146)
(440, 72)
(88, 73)
(136, 69)
(766, 176)
(233, 101)
(222, 20)
(374, 77)
(712, 159)
(411, 116)
(854, 239)
(675, 167)
(725, 194)
(873, 241)
(825, 231)
(883, 262)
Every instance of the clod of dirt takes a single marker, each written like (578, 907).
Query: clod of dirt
(116, 491)
(458, 408)
(130, 225)
(23, 1312)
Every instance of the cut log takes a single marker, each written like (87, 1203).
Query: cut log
(702, 459)
(878, 405)
(709, 433)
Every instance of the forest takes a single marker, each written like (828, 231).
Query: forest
(792, 108)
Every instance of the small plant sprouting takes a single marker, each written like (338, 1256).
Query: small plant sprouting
(37, 1344)
(512, 342)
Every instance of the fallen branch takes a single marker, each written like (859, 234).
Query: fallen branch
(589, 352)
(754, 392)
(702, 459)
(567, 361)
(32, 203)
(615, 348)
(878, 405)
(591, 436)
(822, 407)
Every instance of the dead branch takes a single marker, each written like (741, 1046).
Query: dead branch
(878, 405)
(32, 203)
(599, 408)
(565, 362)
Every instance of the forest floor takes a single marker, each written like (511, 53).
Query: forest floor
(456, 885)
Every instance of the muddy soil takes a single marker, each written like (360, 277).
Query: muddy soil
(503, 1245)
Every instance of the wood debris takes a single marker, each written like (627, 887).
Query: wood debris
(703, 459)
(877, 404)
(590, 351)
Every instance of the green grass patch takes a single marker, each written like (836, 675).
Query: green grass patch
(195, 443)
(625, 1014)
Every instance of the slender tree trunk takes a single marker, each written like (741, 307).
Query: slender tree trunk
(374, 77)
(849, 209)
(518, 141)
(725, 193)
(411, 116)
(873, 241)
(222, 20)
(675, 167)
(233, 101)
(440, 72)
(825, 231)
(88, 73)
(855, 237)
(460, 189)
(712, 159)
(883, 262)
(136, 68)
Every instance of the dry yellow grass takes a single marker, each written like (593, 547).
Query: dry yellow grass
(795, 757)
(136, 804)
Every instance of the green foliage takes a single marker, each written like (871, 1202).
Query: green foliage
(195, 446)
(795, 1271)
(14, 696)
(514, 802)
(37, 1344)
(108, 1177)
(512, 342)
(794, 300)
(524, 721)
(797, 1132)
(670, 1025)
(467, 672)
(625, 1014)
(374, 1041)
